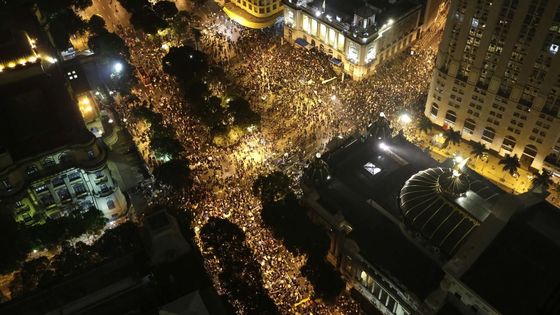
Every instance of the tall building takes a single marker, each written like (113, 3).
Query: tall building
(254, 13)
(50, 163)
(497, 78)
(357, 35)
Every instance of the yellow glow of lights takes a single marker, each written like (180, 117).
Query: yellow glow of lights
(12, 64)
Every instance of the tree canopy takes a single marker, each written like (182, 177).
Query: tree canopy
(165, 9)
(241, 273)
(175, 173)
(185, 63)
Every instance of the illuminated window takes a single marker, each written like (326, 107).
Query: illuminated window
(290, 17)
(305, 24)
(332, 37)
(353, 53)
(340, 41)
(313, 27)
(323, 32)
(371, 53)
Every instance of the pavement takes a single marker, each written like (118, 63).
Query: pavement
(129, 170)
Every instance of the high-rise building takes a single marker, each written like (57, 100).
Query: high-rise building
(50, 163)
(254, 13)
(497, 77)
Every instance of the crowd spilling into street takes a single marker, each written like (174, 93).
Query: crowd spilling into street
(299, 115)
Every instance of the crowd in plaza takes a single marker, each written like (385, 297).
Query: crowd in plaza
(300, 114)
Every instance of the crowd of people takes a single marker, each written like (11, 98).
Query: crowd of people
(300, 115)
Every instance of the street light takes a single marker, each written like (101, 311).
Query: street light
(383, 146)
(333, 97)
(118, 67)
(405, 118)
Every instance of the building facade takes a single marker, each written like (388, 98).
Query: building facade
(50, 163)
(497, 78)
(254, 13)
(357, 37)
(53, 184)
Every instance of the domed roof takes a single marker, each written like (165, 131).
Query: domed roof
(429, 207)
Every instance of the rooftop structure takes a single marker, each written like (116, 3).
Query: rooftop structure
(518, 274)
(406, 231)
(358, 35)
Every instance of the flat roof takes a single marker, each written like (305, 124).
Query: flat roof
(38, 115)
(518, 272)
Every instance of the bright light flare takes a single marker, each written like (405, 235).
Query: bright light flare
(118, 67)
(405, 118)
(383, 146)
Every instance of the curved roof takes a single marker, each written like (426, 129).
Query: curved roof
(429, 206)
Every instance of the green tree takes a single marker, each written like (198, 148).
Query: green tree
(166, 147)
(14, 244)
(425, 125)
(451, 137)
(242, 113)
(81, 4)
(175, 173)
(96, 24)
(144, 113)
(478, 150)
(108, 45)
(147, 21)
(165, 9)
(510, 164)
(62, 25)
(542, 180)
(185, 63)
(273, 187)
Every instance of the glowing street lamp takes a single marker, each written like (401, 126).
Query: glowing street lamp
(118, 67)
(333, 97)
(405, 118)
(383, 146)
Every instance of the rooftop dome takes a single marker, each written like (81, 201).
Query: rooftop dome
(430, 206)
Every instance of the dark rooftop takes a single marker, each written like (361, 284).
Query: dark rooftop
(37, 115)
(518, 273)
(13, 45)
(380, 239)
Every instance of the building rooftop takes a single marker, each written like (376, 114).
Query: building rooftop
(359, 18)
(441, 205)
(358, 195)
(38, 115)
(518, 272)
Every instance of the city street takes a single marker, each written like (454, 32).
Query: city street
(299, 115)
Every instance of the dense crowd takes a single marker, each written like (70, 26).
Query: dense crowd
(300, 115)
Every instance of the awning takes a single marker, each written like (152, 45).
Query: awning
(335, 61)
(302, 42)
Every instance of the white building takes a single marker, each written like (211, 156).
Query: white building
(357, 35)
